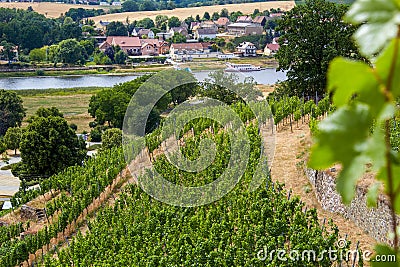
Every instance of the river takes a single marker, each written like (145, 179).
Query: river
(267, 76)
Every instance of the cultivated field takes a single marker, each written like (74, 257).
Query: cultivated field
(183, 13)
(51, 10)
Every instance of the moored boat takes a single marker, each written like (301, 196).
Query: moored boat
(241, 67)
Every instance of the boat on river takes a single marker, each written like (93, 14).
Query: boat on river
(241, 67)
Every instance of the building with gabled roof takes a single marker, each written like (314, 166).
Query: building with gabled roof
(130, 45)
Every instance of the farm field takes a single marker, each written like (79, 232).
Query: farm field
(183, 13)
(50, 10)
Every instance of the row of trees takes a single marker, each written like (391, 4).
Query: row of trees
(28, 29)
(68, 51)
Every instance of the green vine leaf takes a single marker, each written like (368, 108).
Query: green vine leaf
(343, 137)
(347, 77)
(383, 16)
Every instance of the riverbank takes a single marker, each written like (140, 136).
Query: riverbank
(201, 64)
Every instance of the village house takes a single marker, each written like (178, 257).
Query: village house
(130, 45)
(181, 30)
(260, 20)
(244, 19)
(194, 24)
(140, 32)
(185, 51)
(271, 49)
(208, 24)
(244, 29)
(246, 49)
(153, 47)
(222, 22)
(203, 33)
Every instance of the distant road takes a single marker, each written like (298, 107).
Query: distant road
(50, 10)
(182, 13)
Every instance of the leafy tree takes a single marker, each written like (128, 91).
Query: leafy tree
(116, 28)
(111, 138)
(206, 16)
(47, 112)
(146, 23)
(130, 6)
(215, 16)
(224, 13)
(89, 45)
(71, 52)
(12, 138)
(8, 50)
(147, 5)
(161, 22)
(174, 22)
(189, 20)
(3, 147)
(52, 53)
(109, 106)
(220, 41)
(49, 145)
(258, 40)
(11, 110)
(178, 38)
(256, 12)
(95, 135)
(230, 46)
(89, 29)
(73, 126)
(313, 34)
(120, 57)
(234, 15)
(77, 14)
(101, 59)
(227, 88)
(198, 18)
(37, 54)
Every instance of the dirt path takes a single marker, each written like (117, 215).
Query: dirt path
(287, 168)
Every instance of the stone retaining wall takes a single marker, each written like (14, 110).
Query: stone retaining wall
(30, 213)
(375, 221)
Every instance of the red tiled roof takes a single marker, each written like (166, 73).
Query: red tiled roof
(244, 18)
(124, 41)
(153, 42)
(273, 47)
(222, 21)
(206, 45)
(259, 19)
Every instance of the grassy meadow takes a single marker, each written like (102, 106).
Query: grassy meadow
(73, 103)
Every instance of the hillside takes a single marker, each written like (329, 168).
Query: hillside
(183, 13)
(51, 10)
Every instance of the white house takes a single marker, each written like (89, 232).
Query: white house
(246, 49)
(139, 32)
